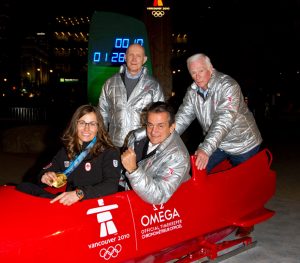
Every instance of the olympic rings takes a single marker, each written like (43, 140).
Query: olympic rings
(110, 252)
(158, 13)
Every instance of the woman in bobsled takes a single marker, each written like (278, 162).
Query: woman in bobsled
(88, 163)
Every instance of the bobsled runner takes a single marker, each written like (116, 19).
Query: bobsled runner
(195, 224)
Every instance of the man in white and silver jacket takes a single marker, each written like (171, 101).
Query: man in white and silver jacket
(126, 94)
(156, 161)
(216, 100)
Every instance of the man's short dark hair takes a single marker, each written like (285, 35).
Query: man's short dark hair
(160, 106)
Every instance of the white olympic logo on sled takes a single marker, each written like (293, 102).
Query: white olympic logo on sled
(110, 252)
(158, 13)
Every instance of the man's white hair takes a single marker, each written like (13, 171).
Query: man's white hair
(198, 57)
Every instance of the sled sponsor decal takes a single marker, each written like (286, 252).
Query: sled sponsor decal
(157, 221)
(160, 221)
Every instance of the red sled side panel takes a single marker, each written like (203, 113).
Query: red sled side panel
(123, 228)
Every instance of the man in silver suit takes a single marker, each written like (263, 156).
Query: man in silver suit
(216, 100)
(126, 94)
(156, 161)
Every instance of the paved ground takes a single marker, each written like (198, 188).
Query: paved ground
(278, 239)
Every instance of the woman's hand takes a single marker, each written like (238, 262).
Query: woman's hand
(66, 198)
(48, 178)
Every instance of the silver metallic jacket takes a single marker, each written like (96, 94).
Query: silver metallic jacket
(226, 121)
(159, 175)
(121, 114)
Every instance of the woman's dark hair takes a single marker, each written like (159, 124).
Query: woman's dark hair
(160, 106)
(70, 138)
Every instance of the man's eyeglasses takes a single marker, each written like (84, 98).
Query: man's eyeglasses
(83, 124)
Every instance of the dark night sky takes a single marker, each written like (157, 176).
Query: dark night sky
(254, 39)
(216, 22)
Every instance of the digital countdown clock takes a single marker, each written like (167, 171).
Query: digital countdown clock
(117, 55)
(109, 37)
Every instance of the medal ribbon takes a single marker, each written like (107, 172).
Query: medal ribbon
(79, 158)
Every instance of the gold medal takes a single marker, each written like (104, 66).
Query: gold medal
(61, 180)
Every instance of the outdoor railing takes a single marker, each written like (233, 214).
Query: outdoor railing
(24, 114)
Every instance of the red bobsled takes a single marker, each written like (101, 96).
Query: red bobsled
(123, 228)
